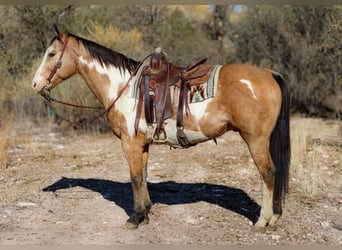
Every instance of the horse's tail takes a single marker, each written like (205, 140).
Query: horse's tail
(280, 147)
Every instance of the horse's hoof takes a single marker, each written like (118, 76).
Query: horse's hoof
(272, 227)
(131, 225)
(145, 221)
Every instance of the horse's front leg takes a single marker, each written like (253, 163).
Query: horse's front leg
(136, 152)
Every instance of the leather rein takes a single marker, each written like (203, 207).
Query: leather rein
(45, 91)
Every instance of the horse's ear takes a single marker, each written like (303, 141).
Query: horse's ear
(58, 33)
(56, 30)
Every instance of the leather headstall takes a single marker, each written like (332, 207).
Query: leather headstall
(46, 89)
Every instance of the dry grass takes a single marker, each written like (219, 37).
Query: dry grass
(21, 148)
(5, 142)
(316, 156)
(129, 43)
(299, 141)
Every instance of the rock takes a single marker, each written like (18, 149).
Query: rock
(275, 237)
(26, 204)
(5, 217)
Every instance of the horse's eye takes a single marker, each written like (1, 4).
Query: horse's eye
(51, 54)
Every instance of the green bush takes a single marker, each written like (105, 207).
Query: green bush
(303, 44)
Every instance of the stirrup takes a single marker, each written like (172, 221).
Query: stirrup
(157, 138)
(183, 139)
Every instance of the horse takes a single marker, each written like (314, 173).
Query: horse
(249, 100)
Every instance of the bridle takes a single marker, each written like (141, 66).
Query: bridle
(45, 91)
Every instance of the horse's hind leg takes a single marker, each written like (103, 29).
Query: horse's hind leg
(259, 149)
(137, 156)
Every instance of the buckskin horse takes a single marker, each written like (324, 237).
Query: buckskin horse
(250, 100)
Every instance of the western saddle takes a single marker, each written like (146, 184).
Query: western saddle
(155, 82)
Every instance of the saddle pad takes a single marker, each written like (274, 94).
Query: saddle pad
(207, 89)
(134, 89)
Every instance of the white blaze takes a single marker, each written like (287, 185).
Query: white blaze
(37, 76)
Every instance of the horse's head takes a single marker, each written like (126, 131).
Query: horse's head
(58, 64)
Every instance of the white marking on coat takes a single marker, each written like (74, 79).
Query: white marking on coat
(198, 109)
(250, 87)
(125, 105)
(115, 75)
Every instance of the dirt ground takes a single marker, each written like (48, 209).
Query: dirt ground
(66, 187)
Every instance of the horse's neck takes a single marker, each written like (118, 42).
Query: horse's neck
(104, 81)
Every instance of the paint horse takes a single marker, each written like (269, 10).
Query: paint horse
(252, 101)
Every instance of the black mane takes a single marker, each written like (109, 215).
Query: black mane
(107, 56)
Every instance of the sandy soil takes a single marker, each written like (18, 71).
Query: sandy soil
(63, 187)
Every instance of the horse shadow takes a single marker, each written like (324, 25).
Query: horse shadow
(168, 192)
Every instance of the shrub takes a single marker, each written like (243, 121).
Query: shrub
(302, 43)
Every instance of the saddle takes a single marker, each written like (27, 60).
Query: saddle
(154, 91)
